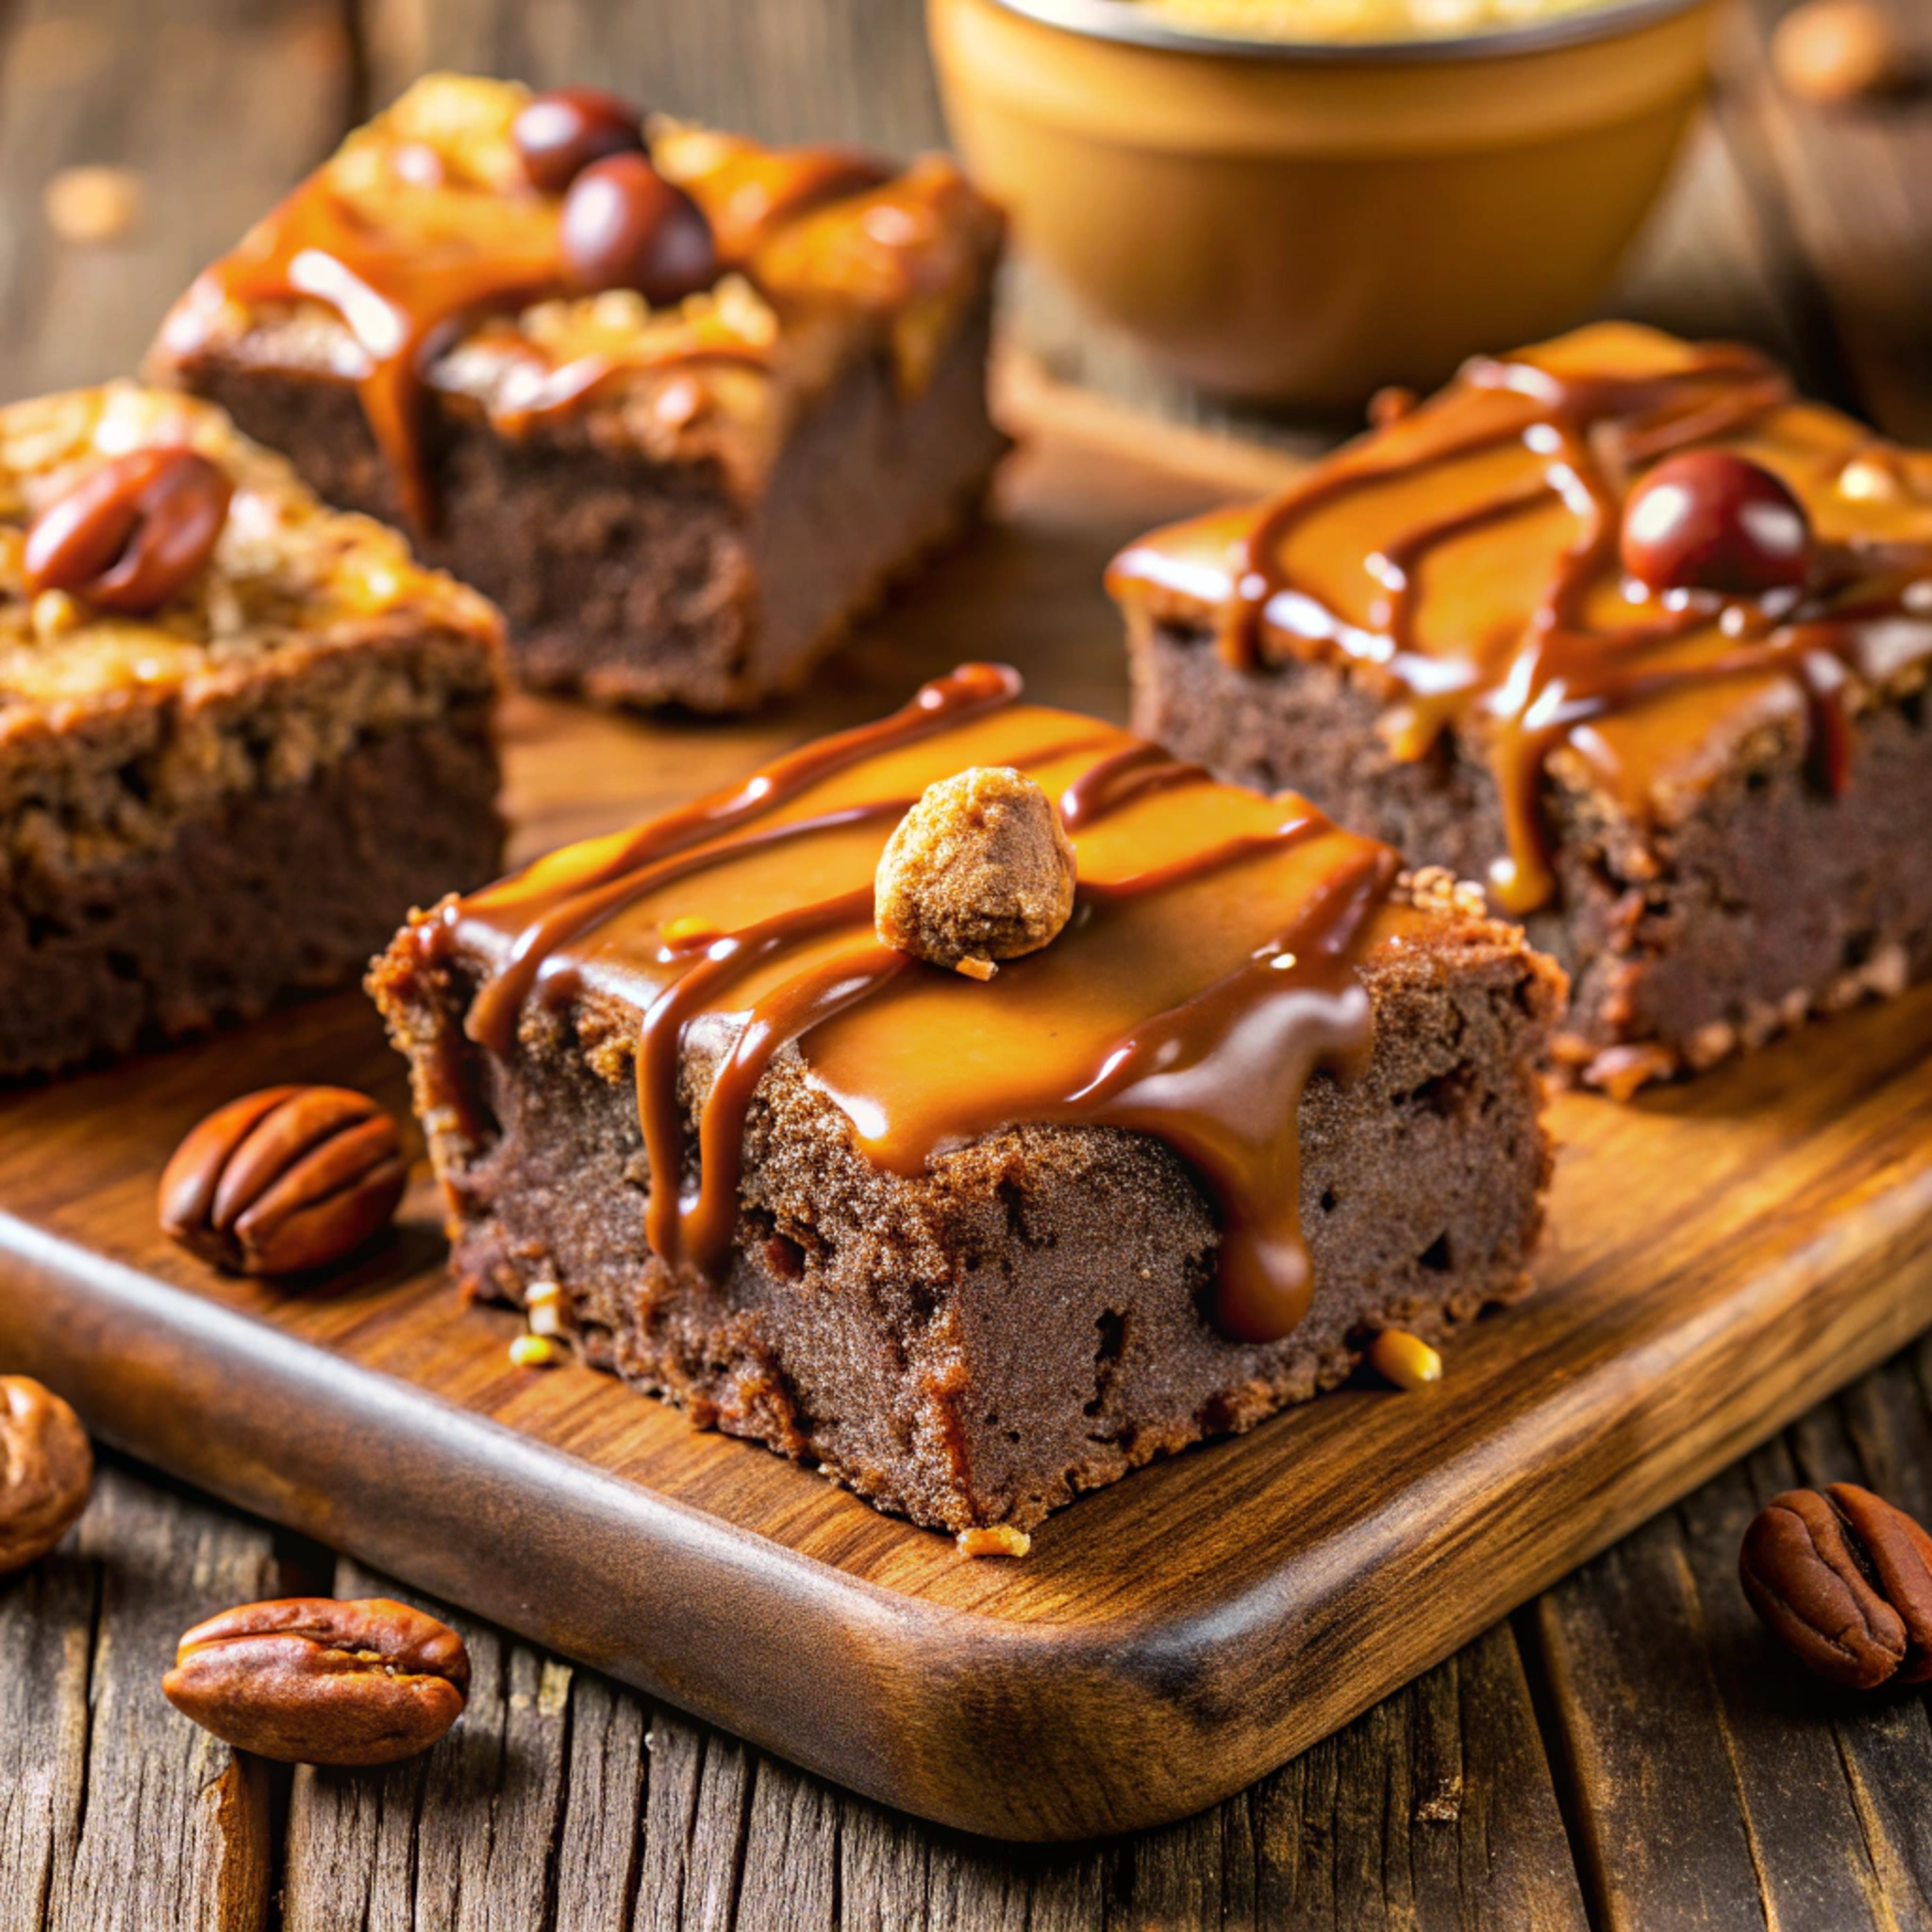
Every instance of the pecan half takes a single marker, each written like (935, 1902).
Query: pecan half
(133, 533)
(285, 1180)
(46, 1470)
(314, 1680)
(1845, 1581)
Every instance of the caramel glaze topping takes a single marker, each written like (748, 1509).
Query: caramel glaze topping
(425, 229)
(1464, 554)
(1207, 971)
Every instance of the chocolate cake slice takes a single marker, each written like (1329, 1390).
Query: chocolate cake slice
(681, 405)
(974, 1241)
(1619, 625)
(241, 734)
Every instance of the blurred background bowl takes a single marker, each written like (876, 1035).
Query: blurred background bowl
(1301, 222)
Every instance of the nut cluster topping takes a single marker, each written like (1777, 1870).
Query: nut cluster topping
(132, 533)
(285, 1180)
(979, 869)
(314, 1680)
(46, 1470)
(1845, 1581)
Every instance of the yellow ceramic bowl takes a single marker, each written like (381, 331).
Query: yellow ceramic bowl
(1305, 222)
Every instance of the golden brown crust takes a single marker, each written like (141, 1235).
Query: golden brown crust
(291, 582)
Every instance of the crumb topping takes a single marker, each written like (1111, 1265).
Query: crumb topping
(285, 569)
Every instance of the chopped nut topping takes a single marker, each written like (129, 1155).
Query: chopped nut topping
(1435, 889)
(1405, 1359)
(980, 869)
(536, 1352)
(998, 1540)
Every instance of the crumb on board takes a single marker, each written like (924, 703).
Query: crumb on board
(994, 1539)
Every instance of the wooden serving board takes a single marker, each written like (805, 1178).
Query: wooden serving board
(1722, 1254)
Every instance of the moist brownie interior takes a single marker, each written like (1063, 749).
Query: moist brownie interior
(1703, 802)
(237, 794)
(672, 501)
(971, 1247)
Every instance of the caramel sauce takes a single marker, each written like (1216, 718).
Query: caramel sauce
(1464, 554)
(417, 241)
(1207, 974)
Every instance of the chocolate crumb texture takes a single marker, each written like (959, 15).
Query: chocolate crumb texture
(980, 869)
(241, 734)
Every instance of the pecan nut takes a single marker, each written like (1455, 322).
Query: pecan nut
(314, 1680)
(285, 1180)
(132, 533)
(1843, 1580)
(46, 1468)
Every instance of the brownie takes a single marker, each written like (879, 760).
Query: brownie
(1524, 631)
(972, 1246)
(227, 781)
(683, 497)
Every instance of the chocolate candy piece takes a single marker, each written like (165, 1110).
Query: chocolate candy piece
(561, 133)
(1712, 520)
(625, 226)
(284, 1180)
(132, 533)
(311, 1680)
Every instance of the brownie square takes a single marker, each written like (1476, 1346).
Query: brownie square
(928, 1234)
(235, 793)
(1705, 794)
(680, 500)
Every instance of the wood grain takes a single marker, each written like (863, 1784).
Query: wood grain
(1171, 1638)
(117, 1814)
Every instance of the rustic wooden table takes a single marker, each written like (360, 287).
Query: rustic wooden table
(1624, 1752)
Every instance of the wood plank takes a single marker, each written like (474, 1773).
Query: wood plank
(465, 1836)
(854, 71)
(1786, 1228)
(116, 1813)
(1435, 1812)
(1855, 188)
(1716, 1783)
(270, 76)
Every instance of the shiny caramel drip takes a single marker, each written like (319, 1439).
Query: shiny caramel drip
(402, 294)
(433, 250)
(1593, 659)
(1208, 972)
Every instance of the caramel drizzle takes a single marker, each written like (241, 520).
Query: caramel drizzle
(1217, 1077)
(402, 298)
(1115, 781)
(1563, 674)
(627, 875)
(405, 297)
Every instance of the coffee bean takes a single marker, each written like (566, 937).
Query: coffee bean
(625, 226)
(314, 1680)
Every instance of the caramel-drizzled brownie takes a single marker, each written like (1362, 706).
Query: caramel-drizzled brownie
(1619, 626)
(683, 406)
(241, 734)
(972, 1244)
